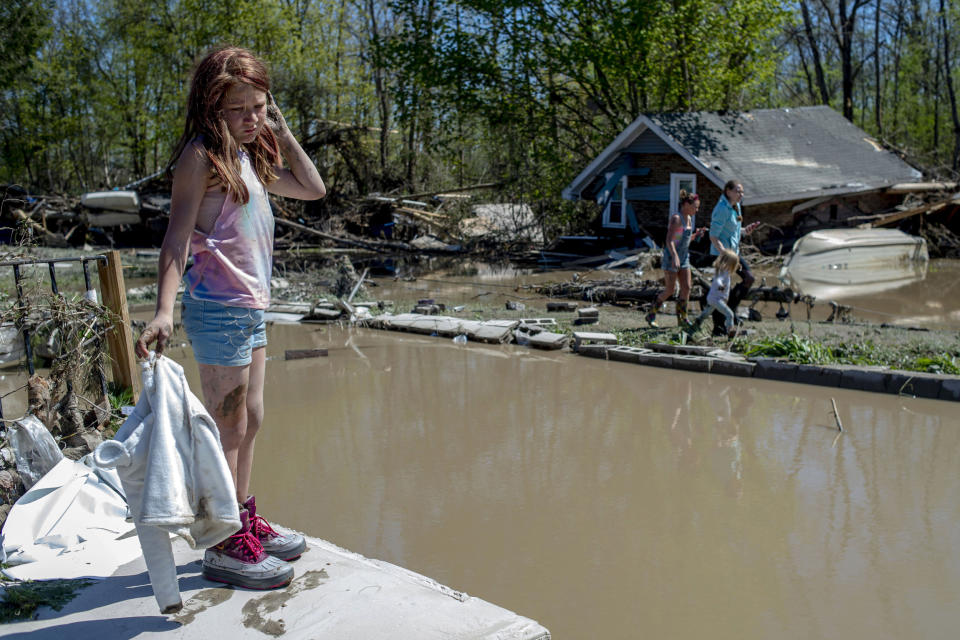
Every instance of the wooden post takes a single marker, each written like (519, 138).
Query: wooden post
(120, 338)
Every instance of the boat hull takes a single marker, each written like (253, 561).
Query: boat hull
(847, 262)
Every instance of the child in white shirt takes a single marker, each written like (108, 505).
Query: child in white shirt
(725, 264)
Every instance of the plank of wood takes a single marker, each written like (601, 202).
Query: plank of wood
(895, 217)
(120, 338)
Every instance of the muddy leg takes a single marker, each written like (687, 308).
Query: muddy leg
(225, 398)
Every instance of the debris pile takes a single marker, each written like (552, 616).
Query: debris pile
(70, 401)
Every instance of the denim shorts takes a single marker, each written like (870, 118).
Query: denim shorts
(220, 334)
(666, 262)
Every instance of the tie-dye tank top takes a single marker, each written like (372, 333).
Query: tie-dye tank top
(233, 263)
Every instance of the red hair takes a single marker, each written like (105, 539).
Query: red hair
(217, 72)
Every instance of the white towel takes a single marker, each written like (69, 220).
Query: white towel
(174, 473)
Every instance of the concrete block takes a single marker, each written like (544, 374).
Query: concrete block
(588, 312)
(594, 351)
(652, 359)
(692, 363)
(914, 383)
(816, 374)
(771, 369)
(561, 306)
(624, 354)
(950, 388)
(681, 349)
(587, 337)
(730, 367)
(865, 379)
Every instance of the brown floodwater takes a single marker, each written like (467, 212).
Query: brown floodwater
(610, 500)
(931, 297)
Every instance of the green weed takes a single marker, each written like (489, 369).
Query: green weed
(22, 599)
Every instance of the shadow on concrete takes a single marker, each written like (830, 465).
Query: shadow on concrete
(113, 628)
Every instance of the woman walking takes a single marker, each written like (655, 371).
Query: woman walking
(675, 262)
(725, 231)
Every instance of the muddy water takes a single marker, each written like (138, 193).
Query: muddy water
(616, 501)
(932, 300)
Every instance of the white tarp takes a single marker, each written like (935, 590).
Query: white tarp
(71, 524)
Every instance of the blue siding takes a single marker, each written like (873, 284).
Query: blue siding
(649, 142)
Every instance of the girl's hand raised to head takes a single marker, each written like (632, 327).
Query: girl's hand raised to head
(275, 119)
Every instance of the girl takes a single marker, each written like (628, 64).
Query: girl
(676, 256)
(725, 264)
(227, 160)
(725, 230)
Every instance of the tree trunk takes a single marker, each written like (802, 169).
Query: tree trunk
(949, 79)
(815, 50)
(876, 68)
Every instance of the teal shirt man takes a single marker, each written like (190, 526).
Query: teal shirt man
(725, 226)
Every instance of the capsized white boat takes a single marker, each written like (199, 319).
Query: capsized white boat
(844, 262)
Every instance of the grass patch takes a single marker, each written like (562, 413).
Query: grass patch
(22, 599)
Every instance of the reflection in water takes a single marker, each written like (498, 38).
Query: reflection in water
(838, 284)
(926, 297)
(611, 500)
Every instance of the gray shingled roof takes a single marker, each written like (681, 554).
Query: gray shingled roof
(776, 152)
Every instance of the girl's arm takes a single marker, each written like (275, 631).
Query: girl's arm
(301, 180)
(189, 185)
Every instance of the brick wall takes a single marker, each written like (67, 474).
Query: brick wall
(662, 165)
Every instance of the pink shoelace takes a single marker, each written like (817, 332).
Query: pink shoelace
(246, 546)
(261, 528)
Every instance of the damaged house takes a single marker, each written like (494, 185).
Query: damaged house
(801, 168)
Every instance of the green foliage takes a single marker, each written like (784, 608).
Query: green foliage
(940, 363)
(119, 398)
(793, 347)
(21, 600)
(422, 94)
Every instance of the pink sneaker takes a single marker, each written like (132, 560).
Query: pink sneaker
(241, 561)
(286, 546)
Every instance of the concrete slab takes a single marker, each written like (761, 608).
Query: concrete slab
(493, 331)
(771, 369)
(865, 379)
(822, 376)
(922, 385)
(548, 340)
(336, 595)
(950, 388)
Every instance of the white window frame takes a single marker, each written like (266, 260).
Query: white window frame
(623, 208)
(675, 180)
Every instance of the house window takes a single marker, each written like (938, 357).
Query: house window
(614, 214)
(678, 181)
